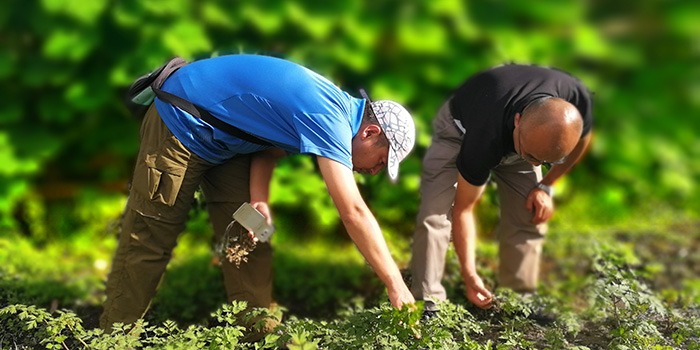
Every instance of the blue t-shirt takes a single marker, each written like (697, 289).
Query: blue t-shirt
(276, 100)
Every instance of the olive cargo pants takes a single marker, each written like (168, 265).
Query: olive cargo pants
(520, 242)
(165, 179)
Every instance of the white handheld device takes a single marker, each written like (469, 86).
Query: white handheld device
(254, 221)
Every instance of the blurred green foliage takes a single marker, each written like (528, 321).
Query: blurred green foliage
(67, 143)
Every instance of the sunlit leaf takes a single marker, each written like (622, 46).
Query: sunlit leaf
(217, 16)
(351, 56)
(683, 20)
(421, 36)
(266, 21)
(70, 44)
(84, 11)
(316, 25)
(186, 38)
(589, 43)
(12, 164)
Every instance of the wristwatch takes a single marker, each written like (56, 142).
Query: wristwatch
(548, 189)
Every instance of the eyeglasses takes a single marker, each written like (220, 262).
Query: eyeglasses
(532, 160)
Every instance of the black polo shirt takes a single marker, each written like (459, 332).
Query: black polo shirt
(486, 105)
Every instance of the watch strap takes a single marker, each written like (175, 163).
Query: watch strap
(546, 188)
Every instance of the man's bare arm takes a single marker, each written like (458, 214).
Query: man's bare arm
(364, 229)
(464, 238)
(262, 164)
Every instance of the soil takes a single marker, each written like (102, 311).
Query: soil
(237, 244)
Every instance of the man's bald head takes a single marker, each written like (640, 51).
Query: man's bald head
(550, 128)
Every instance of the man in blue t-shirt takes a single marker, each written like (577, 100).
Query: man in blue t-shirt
(291, 110)
(506, 122)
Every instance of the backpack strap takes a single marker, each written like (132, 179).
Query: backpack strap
(203, 114)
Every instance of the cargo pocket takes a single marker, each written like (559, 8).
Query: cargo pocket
(164, 179)
(159, 176)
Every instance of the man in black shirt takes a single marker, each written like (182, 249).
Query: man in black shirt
(505, 122)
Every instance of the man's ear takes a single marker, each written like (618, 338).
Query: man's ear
(517, 119)
(371, 130)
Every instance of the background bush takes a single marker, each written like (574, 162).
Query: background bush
(67, 141)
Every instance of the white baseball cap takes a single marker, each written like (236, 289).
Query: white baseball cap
(397, 124)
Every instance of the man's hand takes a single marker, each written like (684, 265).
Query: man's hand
(478, 294)
(401, 297)
(264, 209)
(541, 205)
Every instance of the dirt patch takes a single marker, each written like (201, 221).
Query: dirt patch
(237, 244)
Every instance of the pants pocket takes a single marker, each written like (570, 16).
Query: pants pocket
(164, 180)
(159, 178)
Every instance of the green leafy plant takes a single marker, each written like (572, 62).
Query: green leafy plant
(623, 302)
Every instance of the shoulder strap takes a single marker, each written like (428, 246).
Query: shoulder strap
(203, 114)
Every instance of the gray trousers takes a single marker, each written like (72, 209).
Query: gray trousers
(520, 241)
(165, 179)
